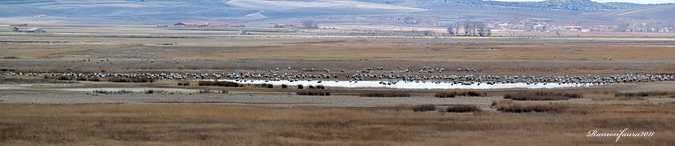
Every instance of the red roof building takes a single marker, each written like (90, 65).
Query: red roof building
(219, 24)
(193, 23)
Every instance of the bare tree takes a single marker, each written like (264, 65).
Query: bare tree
(466, 27)
(622, 24)
(489, 31)
(481, 28)
(451, 31)
(308, 23)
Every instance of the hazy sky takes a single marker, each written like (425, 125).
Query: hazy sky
(602, 1)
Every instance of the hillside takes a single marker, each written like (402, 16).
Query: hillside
(150, 12)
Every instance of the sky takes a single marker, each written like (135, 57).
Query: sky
(602, 1)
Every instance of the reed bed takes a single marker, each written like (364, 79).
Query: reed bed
(542, 96)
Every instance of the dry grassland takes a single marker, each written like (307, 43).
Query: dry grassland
(445, 53)
(13, 51)
(232, 125)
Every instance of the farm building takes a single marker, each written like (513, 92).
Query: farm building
(200, 24)
(36, 30)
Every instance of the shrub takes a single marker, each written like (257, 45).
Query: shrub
(284, 86)
(462, 108)
(299, 86)
(424, 108)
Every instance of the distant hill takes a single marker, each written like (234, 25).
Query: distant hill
(568, 4)
(292, 11)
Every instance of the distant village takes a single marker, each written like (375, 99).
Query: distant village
(525, 24)
(458, 22)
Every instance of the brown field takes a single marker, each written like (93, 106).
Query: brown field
(445, 53)
(141, 111)
(218, 125)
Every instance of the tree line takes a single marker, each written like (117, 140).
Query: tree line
(471, 28)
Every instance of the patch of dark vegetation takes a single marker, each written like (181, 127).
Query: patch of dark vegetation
(452, 94)
(512, 107)
(389, 93)
(183, 83)
(219, 83)
(424, 108)
(542, 96)
(299, 86)
(646, 94)
(463, 108)
(284, 86)
(313, 93)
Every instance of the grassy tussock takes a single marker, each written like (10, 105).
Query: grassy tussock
(463, 108)
(313, 93)
(452, 94)
(542, 96)
(390, 93)
(512, 107)
(424, 108)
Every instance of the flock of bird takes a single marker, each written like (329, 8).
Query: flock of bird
(101, 60)
(425, 74)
